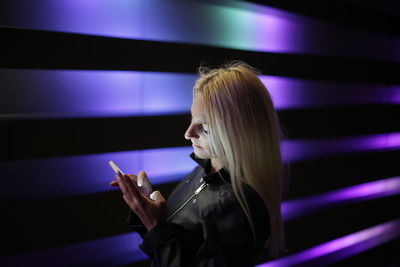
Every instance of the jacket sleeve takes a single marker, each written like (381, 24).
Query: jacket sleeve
(135, 224)
(225, 240)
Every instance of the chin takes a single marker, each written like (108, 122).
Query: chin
(201, 155)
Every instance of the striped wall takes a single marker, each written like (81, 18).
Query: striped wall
(85, 82)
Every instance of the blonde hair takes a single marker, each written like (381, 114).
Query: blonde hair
(245, 135)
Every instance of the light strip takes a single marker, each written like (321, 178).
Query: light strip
(123, 249)
(84, 93)
(300, 150)
(343, 247)
(76, 175)
(301, 207)
(230, 24)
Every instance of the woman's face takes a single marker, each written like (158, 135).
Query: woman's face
(197, 132)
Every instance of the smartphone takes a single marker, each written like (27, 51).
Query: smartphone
(120, 173)
(115, 168)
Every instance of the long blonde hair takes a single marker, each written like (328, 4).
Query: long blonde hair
(245, 135)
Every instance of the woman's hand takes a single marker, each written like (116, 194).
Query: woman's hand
(141, 180)
(151, 211)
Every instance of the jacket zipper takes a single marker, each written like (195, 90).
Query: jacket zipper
(198, 190)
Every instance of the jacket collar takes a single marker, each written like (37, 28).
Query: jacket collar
(222, 175)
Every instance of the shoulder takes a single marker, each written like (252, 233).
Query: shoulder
(226, 219)
(223, 204)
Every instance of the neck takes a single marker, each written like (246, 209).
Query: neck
(216, 165)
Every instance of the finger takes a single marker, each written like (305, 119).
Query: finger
(131, 188)
(144, 181)
(118, 175)
(132, 177)
(140, 178)
(114, 183)
(157, 196)
(122, 185)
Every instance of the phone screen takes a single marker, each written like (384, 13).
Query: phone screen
(115, 168)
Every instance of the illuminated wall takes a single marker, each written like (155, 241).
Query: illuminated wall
(85, 82)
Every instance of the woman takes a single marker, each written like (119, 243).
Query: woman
(228, 208)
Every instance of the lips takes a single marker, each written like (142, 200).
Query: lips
(196, 146)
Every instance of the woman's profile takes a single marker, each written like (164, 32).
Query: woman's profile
(228, 209)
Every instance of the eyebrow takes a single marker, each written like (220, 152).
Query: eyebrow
(197, 119)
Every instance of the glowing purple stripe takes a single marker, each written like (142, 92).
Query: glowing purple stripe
(231, 24)
(294, 150)
(290, 93)
(83, 93)
(343, 247)
(292, 209)
(123, 249)
(90, 173)
(70, 176)
(109, 251)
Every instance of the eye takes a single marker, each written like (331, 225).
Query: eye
(204, 129)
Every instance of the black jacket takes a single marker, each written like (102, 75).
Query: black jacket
(208, 228)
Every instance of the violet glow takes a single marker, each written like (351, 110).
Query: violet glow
(343, 247)
(84, 93)
(230, 24)
(77, 175)
(296, 150)
(90, 173)
(291, 93)
(292, 209)
(70, 93)
(123, 249)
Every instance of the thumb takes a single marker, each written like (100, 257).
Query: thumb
(142, 178)
(157, 197)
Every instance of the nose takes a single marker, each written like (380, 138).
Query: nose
(191, 133)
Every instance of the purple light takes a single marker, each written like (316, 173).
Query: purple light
(343, 247)
(290, 93)
(52, 93)
(230, 24)
(76, 175)
(83, 93)
(90, 173)
(123, 249)
(295, 150)
(292, 209)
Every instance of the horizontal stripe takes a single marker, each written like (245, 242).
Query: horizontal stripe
(384, 255)
(334, 222)
(372, 16)
(339, 121)
(376, 189)
(83, 93)
(91, 173)
(54, 137)
(230, 24)
(55, 50)
(71, 176)
(51, 137)
(343, 247)
(125, 246)
(324, 174)
(294, 150)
